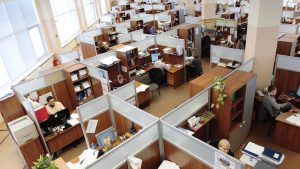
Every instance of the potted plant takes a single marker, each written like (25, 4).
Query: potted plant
(45, 162)
(219, 87)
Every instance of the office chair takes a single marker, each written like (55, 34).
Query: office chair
(271, 118)
(152, 86)
(215, 143)
(157, 76)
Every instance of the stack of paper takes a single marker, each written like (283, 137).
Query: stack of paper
(74, 77)
(248, 160)
(74, 116)
(253, 149)
(109, 60)
(77, 88)
(168, 165)
(73, 122)
(85, 84)
(82, 72)
(142, 88)
(294, 120)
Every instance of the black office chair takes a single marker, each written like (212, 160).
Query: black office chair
(157, 76)
(215, 143)
(271, 118)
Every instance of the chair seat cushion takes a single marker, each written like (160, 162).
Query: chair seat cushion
(153, 86)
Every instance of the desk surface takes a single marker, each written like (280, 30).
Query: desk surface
(282, 118)
(115, 143)
(60, 163)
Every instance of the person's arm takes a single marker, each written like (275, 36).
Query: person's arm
(60, 106)
(274, 104)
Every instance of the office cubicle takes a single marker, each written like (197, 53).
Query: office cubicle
(219, 53)
(287, 73)
(53, 83)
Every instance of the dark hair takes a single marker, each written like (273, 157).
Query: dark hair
(49, 98)
(271, 88)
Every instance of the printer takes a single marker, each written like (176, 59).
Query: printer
(23, 129)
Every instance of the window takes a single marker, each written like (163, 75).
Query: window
(103, 5)
(21, 42)
(90, 11)
(66, 20)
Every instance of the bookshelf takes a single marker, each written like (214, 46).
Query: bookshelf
(233, 118)
(137, 24)
(188, 34)
(129, 60)
(79, 84)
(110, 36)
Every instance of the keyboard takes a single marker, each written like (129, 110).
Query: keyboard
(295, 103)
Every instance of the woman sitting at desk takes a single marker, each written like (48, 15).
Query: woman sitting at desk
(120, 81)
(53, 106)
(195, 66)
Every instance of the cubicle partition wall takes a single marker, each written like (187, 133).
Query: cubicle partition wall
(287, 73)
(120, 113)
(127, 93)
(145, 43)
(138, 35)
(247, 66)
(217, 53)
(88, 42)
(69, 56)
(124, 38)
(122, 27)
(193, 19)
(96, 60)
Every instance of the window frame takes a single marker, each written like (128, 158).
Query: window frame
(90, 3)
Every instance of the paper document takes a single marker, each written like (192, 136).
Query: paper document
(109, 60)
(186, 131)
(74, 116)
(82, 72)
(73, 122)
(178, 65)
(168, 165)
(142, 88)
(254, 148)
(294, 119)
(248, 160)
(91, 128)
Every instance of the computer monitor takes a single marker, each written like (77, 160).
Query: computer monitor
(106, 133)
(59, 118)
(154, 56)
(298, 92)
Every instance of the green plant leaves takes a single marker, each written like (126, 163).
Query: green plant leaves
(44, 162)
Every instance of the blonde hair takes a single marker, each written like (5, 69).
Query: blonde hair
(224, 143)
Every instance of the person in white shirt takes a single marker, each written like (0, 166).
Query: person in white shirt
(53, 106)
(160, 64)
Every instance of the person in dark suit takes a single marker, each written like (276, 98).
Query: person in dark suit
(206, 42)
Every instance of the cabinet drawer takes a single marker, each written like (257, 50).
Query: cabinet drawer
(170, 79)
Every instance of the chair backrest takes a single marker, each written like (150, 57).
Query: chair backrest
(145, 78)
(156, 75)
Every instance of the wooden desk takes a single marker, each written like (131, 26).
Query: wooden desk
(66, 137)
(287, 134)
(60, 163)
(117, 46)
(175, 76)
(207, 79)
(115, 143)
(143, 97)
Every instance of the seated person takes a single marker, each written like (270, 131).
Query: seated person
(120, 81)
(224, 146)
(160, 64)
(241, 43)
(195, 65)
(103, 47)
(53, 106)
(269, 102)
(153, 31)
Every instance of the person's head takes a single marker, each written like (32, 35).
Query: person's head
(224, 145)
(50, 100)
(120, 78)
(272, 90)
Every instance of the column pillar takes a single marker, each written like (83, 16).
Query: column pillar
(209, 9)
(261, 43)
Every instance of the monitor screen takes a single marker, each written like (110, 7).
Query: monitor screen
(154, 57)
(106, 133)
(59, 118)
(298, 92)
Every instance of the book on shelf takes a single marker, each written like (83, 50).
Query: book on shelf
(74, 77)
(77, 88)
(82, 72)
(85, 84)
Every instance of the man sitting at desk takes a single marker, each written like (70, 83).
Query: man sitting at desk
(195, 66)
(103, 47)
(120, 81)
(269, 102)
(53, 106)
(153, 31)
(160, 64)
